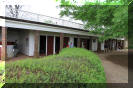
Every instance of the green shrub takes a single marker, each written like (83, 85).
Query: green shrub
(72, 65)
(2, 73)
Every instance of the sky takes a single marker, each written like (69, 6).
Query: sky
(44, 7)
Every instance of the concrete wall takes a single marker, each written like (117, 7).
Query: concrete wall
(94, 44)
(102, 46)
(126, 43)
(22, 37)
(12, 36)
(24, 42)
(9, 51)
(31, 43)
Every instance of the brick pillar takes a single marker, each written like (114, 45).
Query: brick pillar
(36, 44)
(4, 44)
(61, 41)
(78, 45)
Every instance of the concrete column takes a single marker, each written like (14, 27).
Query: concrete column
(78, 45)
(61, 41)
(4, 44)
(36, 44)
(125, 43)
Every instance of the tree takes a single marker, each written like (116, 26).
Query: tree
(14, 10)
(95, 2)
(110, 21)
(130, 26)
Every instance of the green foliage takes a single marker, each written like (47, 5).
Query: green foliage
(72, 65)
(110, 21)
(95, 2)
(130, 26)
(2, 73)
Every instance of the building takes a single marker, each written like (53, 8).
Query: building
(29, 34)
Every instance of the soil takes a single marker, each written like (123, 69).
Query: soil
(19, 57)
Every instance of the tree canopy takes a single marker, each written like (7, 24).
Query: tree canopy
(130, 26)
(110, 21)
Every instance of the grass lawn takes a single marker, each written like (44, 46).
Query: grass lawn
(71, 65)
(2, 75)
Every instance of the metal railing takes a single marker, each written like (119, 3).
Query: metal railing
(42, 18)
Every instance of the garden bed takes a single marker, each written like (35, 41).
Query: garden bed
(72, 65)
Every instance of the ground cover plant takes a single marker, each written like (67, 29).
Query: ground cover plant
(2, 73)
(71, 65)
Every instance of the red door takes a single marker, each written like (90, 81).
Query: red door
(50, 41)
(66, 40)
(85, 43)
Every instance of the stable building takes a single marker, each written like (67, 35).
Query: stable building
(36, 38)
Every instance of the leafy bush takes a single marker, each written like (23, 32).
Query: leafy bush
(2, 73)
(72, 65)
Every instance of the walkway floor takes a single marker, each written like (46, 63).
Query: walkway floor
(19, 57)
(115, 66)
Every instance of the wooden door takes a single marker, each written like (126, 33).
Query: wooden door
(50, 41)
(85, 43)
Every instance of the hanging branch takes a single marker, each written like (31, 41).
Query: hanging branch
(14, 10)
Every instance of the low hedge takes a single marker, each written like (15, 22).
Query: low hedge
(71, 65)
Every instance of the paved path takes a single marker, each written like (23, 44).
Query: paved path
(115, 66)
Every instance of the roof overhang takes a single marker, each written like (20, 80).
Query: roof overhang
(32, 25)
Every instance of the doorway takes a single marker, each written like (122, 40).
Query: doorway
(88, 44)
(75, 42)
(50, 42)
(66, 40)
(57, 45)
(42, 45)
